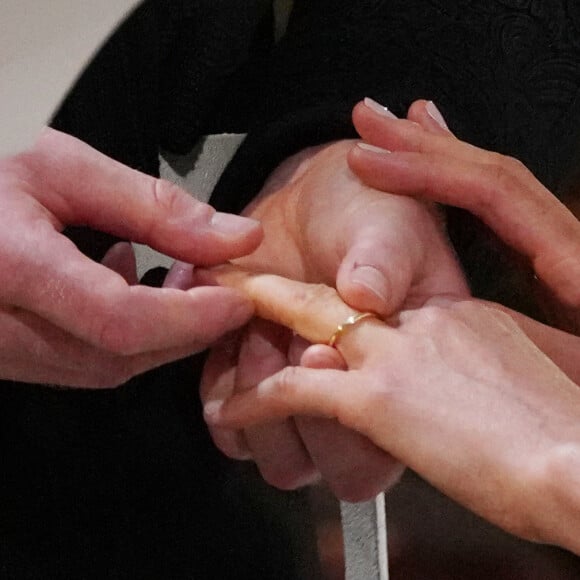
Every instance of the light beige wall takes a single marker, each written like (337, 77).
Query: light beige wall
(44, 44)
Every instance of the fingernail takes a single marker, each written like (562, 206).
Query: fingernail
(378, 108)
(211, 410)
(179, 276)
(372, 148)
(371, 278)
(228, 223)
(435, 114)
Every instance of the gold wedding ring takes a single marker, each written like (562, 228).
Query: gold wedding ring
(348, 324)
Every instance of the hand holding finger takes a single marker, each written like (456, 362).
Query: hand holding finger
(382, 252)
(62, 302)
(312, 317)
(500, 190)
(424, 403)
(312, 310)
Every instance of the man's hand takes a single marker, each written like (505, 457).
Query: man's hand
(383, 253)
(67, 320)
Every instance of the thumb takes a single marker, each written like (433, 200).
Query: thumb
(374, 276)
(82, 186)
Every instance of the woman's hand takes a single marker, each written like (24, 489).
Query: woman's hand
(69, 321)
(455, 390)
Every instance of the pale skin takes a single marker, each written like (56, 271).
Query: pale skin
(69, 321)
(482, 402)
(502, 436)
(383, 253)
(424, 159)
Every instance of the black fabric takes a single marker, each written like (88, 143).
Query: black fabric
(506, 75)
(125, 483)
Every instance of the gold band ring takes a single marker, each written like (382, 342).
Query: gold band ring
(348, 323)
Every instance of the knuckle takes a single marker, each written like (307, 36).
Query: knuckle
(286, 477)
(171, 201)
(434, 317)
(357, 491)
(504, 171)
(513, 165)
(287, 381)
(114, 335)
(366, 479)
(563, 273)
(229, 442)
(166, 195)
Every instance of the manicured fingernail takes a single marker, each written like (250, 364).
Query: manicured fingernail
(373, 279)
(435, 114)
(378, 108)
(372, 148)
(228, 223)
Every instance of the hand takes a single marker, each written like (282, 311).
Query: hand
(66, 320)
(426, 160)
(455, 390)
(383, 253)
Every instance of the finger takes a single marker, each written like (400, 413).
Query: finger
(275, 447)
(376, 273)
(121, 259)
(179, 276)
(353, 467)
(506, 196)
(386, 269)
(326, 393)
(217, 383)
(320, 356)
(312, 310)
(99, 307)
(33, 350)
(95, 190)
(425, 113)
(408, 135)
(428, 115)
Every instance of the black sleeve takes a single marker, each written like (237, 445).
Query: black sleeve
(153, 84)
(504, 74)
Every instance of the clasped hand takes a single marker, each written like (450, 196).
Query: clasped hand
(481, 401)
(383, 253)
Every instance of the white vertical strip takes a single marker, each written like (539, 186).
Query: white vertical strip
(364, 528)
